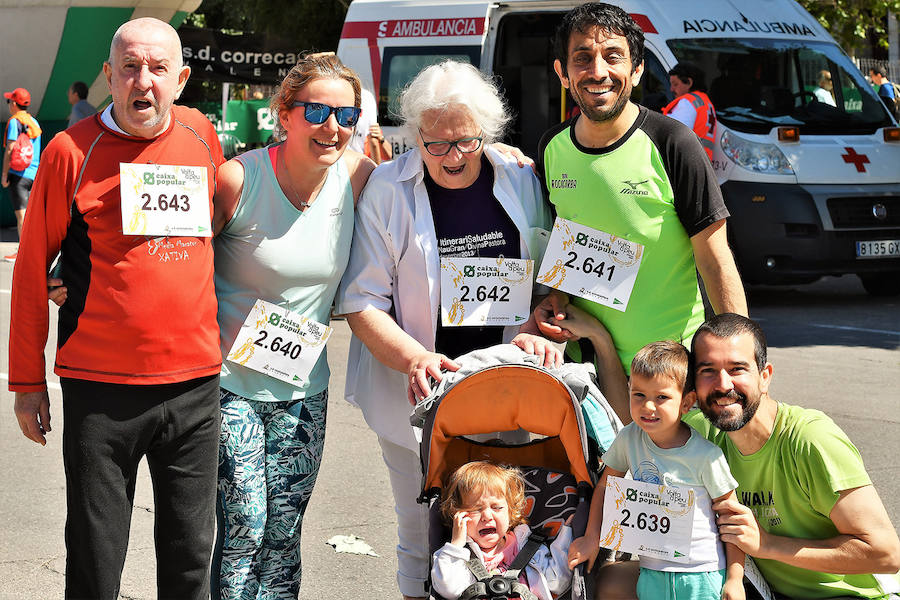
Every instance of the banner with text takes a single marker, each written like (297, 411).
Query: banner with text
(247, 58)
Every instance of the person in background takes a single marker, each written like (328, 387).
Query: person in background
(81, 108)
(824, 90)
(885, 89)
(692, 105)
(377, 147)
(368, 138)
(20, 180)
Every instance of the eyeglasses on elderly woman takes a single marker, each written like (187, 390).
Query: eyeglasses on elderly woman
(441, 148)
(317, 113)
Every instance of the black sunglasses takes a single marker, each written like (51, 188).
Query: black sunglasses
(317, 113)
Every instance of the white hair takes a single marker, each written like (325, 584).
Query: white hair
(452, 84)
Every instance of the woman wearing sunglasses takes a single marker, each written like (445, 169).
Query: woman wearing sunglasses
(284, 221)
(451, 195)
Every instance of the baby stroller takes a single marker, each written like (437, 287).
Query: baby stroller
(536, 421)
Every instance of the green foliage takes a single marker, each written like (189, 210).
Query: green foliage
(310, 24)
(851, 21)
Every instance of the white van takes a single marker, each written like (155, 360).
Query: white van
(824, 202)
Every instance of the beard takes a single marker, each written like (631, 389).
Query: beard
(729, 422)
(600, 115)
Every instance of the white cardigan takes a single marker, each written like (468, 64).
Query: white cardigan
(547, 572)
(394, 267)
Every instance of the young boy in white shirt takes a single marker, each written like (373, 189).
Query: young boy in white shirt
(658, 448)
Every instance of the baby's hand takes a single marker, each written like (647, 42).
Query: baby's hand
(460, 520)
(733, 590)
(583, 549)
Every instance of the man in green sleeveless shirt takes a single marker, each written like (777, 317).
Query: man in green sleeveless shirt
(635, 174)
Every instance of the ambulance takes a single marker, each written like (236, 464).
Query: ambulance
(812, 180)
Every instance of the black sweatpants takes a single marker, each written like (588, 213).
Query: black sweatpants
(107, 429)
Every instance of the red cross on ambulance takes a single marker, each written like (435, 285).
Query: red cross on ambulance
(859, 160)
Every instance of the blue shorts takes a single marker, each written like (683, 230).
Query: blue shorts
(679, 585)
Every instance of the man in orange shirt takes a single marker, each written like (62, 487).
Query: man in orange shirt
(138, 344)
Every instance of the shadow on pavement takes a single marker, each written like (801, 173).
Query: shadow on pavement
(834, 311)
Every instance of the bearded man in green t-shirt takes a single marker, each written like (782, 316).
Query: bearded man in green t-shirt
(806, 510)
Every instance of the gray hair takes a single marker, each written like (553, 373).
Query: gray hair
(455, 84)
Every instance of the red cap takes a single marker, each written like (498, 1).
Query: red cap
(19, 95)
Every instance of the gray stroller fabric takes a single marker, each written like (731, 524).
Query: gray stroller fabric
(580, 378)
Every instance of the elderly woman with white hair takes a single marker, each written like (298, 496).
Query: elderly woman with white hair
(453, 184)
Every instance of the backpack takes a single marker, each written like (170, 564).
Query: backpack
(21, 151)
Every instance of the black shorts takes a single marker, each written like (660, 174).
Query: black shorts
(19, 190)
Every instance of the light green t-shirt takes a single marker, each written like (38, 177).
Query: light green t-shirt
(654, 187)
(791, 484)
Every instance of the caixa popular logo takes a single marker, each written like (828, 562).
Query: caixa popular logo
(149, 178)
(581, 239)
(563, 183)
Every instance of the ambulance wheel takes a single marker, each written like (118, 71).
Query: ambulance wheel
(881, 284)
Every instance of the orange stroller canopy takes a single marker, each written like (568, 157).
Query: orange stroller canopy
(499, 399)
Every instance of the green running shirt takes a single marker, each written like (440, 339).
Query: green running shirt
(654, 186)
(791, 485)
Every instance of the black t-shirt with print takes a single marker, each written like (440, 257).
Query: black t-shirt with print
(470, 222)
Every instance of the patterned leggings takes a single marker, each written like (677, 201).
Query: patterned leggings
(269, 457)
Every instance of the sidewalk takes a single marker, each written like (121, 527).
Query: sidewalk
(352, 496)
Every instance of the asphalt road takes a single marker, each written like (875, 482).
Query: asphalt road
(833, 348)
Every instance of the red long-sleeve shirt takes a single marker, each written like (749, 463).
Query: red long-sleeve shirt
(139, 310)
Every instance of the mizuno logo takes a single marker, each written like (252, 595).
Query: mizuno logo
(632, 188)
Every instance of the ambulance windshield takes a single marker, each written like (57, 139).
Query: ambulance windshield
(757, 84)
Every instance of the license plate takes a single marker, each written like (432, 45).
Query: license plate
(878, 249)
